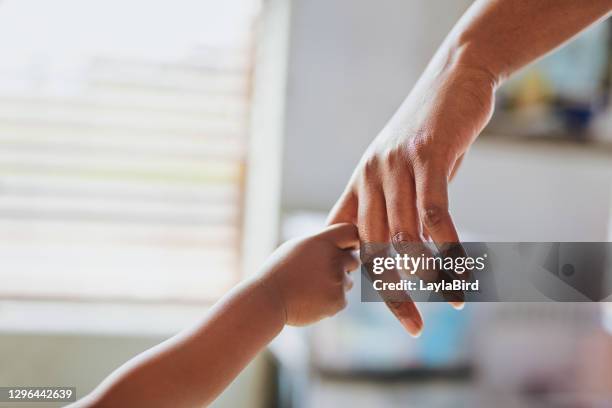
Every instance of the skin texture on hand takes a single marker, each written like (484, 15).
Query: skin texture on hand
(397, 194)
(302, 282)
(310, 276)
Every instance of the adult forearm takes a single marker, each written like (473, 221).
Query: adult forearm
(501, 36)
(492, 40)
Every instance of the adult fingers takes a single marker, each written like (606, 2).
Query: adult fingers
(404, 223)
(400, 198)
(408, 315)
(374, 233)
(432, 202)
(345, 209)
(372, 221)
(343, 235)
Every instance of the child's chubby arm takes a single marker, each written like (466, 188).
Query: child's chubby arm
(303, 281)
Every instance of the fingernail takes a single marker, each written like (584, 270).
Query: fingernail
(403, 241)
(412, 328)
(405, 314)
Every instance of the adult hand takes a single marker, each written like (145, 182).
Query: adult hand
(398, 192)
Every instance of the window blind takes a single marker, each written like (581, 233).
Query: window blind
(122, 179)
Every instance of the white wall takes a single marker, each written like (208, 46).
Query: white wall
(351, 64)
(534, 191)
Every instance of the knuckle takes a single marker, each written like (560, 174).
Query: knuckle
(433, 215)
(402, 237)
(423, 151)
(405, 242)
(393, 157)
(419, 149)
(371, 167)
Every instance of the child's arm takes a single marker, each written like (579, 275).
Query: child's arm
(302, 282)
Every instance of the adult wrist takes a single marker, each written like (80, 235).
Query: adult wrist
(472, 59)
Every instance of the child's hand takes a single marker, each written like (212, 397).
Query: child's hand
(302, 282)
(309, 276)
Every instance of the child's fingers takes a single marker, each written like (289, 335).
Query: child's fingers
(347, 282)
(344, 235)
(350, 260)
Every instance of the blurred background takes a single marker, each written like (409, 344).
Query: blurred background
(152, 154)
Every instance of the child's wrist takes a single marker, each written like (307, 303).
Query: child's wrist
(274, 301)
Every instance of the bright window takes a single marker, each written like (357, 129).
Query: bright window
(123, 128)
